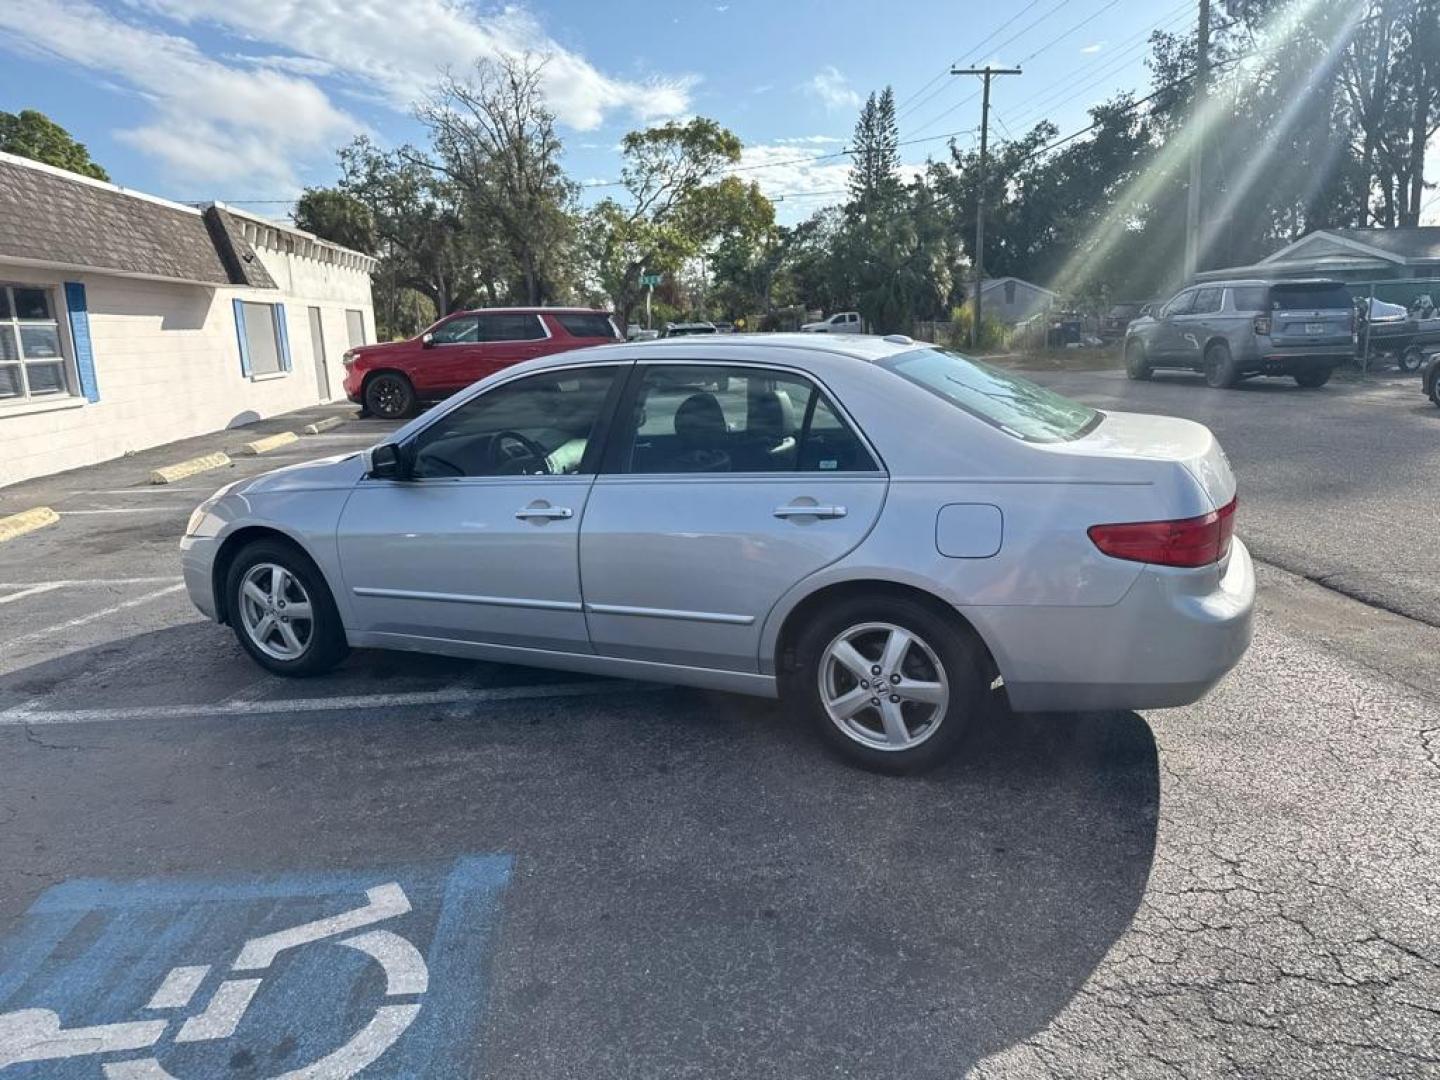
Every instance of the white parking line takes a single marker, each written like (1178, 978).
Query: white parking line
(28, 714)
(63, 583)
(71, 624)
(34, 590)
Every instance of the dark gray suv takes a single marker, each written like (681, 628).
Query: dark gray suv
(1232, 329)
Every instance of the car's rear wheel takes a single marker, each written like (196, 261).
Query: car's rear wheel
(1435, 389)
(281, 610)
(890, 684)
(1220, 370)
(1411, 358)
(1313, 380)
(1137, 364)
(389, 396)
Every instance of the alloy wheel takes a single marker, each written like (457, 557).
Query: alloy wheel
(276, 612)
(883, 686)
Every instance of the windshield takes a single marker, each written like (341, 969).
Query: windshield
(1016, 406)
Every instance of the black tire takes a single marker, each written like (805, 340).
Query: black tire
(1137, 366)
(389, 396)
(325, 646)
(1410, 359)
(1314, 379)
(1220, 373)
(945, 642)
(1435, 390)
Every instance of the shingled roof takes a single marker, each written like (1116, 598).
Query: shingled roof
(51, 216)
(1410, 242)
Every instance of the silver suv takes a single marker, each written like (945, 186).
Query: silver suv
(1232, 329)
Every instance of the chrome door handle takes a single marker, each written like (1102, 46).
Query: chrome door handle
(810, 511)
(554, 513)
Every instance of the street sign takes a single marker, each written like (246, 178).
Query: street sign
(650, 279)
(308, 975)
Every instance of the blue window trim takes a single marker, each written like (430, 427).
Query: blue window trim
(239, 308)
(78, 312)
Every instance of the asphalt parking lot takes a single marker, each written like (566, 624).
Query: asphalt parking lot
(615, 880)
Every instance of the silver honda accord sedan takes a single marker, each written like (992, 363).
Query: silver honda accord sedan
(886, 532)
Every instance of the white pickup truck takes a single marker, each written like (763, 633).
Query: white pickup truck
(842, 322)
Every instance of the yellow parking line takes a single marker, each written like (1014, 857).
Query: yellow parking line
(13, 525)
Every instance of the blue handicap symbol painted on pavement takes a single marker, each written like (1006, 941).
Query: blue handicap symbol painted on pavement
(307, 977)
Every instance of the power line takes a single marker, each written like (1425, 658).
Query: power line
(1061, 37)
(960, 60)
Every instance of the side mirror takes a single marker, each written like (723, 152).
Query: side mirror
(387, 463)
(427, 339)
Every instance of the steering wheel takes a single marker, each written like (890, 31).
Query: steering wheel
(513, 451)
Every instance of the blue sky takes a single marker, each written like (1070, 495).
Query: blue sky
(245, 100)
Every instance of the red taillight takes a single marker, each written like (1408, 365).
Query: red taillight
(1189, 542)
(1262, 325)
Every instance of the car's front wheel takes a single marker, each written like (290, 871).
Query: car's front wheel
(281, 610)
(890, 684)
(389, 396)
(1137, 364)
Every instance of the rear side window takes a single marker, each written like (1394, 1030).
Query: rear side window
(694, 419)
(517, 327)
(1250, 298)
(1306, 297)
(588, 324)
(1206, 301)
(1016, 406)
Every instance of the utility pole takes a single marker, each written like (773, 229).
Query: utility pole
(1197, 139)
(987, 72)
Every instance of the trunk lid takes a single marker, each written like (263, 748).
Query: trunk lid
(1316, 314)
(1159, 439)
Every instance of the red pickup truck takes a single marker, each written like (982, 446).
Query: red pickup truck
(391, 380)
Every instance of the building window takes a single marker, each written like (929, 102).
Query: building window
(355, 326)
(32, 364)
(264, 345)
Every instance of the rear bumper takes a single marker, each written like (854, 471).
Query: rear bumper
(1167, 643)
(1305, 357)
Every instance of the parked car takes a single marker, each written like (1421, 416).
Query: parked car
(912, 527)
(725, 328)
(1233, 329)
(1430, 379)
(390, 380)
(1118, 319)
(636, 332)
(689, 329)
(842, 322)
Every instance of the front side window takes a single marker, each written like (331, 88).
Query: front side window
(262, 338)
(1181, 305)
(31, 362)
(518, 327)
(461, 330)
(693, 419)
(1016, 406)
(535, 426)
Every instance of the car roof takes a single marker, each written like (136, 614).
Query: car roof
(1230, 283)
(799, 350)
(532, 311)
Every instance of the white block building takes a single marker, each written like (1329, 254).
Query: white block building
(127, 321)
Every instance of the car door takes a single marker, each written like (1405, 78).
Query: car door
(1167, 344)
(1195, 326)
(508, 338)
(723, 486)
(450, 351)
(480, 544)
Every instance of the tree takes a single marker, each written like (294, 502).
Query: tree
(675, 203)
(34, 135)
(875, 150)
(495, 140)
(334, 215)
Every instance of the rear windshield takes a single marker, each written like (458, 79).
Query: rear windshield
(1306, 297)
(588, 325)
(1016, 406)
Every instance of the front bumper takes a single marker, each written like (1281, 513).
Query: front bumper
(197, 566)
(1166, 643)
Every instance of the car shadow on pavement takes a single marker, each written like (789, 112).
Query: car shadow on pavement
(701, 888)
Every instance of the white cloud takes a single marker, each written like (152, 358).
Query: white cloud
(1093, 47)
(809, 177)
(832, 88)
(260, 115)
(810, 140)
